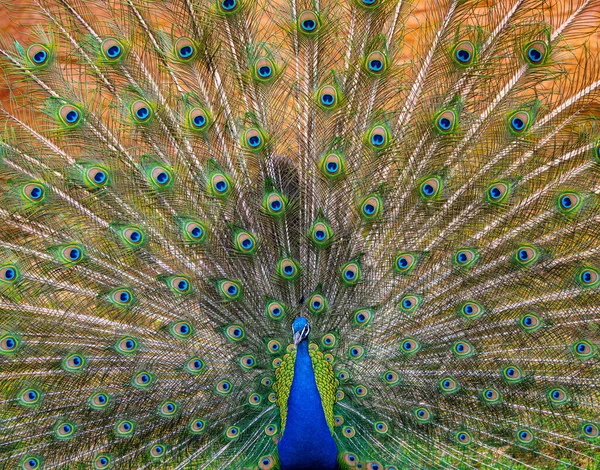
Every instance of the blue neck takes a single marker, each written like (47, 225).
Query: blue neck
(306, 441)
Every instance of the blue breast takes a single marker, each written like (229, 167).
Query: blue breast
(307, 441)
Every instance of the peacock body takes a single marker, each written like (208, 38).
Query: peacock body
(240, 234)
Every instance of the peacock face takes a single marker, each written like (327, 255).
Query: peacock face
(300, 330)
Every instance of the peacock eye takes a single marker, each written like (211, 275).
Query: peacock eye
(97, 177)
(445, 122)
(9, 274)
(430, 188)
(112, 50)
(141, 111)
(410, 346)
(124, 428)
(378, 137)
(464, 53)
(254, 139)
(38, 55)
(327, 97)
(370, 207)
(31, 463)
(536, 52)
(228, 6)
(524, 436)
(308, 22)
(142, 380)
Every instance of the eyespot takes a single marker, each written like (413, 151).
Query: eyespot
(448, 385)
(308, 22)
(185, 50)
(333, 165)
(254, 139)
(524, 436)
(72, 254)
(329, 340)
(38, 55)
(157, 451)
(491, 396)
(228, 6)
(378, 137)
(275, 310)
(327, 97)
(127, 345)
(463, 349)
(430, 188)
(590, 430)
(64, 430)
(29, 397)
(320, 234)
(181, 329)
(232, 432)
(69, 115)
(471, 310)
(229, 289)
(141, 111)
(368, 3)
(348, 431)
(248, 362)
(376, 63)
(338, 420)
(245, 243)
(422, 414)
(266, 382)
(343, 375)
(271, 429)
(404, 262)
(272, 398)
(31, 463)
(356, 351)
(464, 53)
(199, 119)
(317, 304)
(410, 346)
(526, 255)
(264, 70)
(351, 459)
(463, 438)
(168, 408)
(235, 332)
(121, 297)
(557, 396)
(409, 303)
(142, 380)
(465, 257)
(512, 374)
(381, 427)
(360, 391)
(351, 273)
(99, 400)
(535, 53)
(124, 428)
(194, 365)
(569, 203)
(220, 185)
(339, 395)
(497, 192)
(445, 122)
(194, 231)
(112, 50)
(391, 377)
(370, 208)
(288, 269)
(196, 425)
(133, 236)
(102, 461)
(160, 177)
(74, 363)
(254, 399)
(8, 344)
(374, 466)
(588, 277)
(179, 284)
(274, 203)
(363, 316)
(519, 122)
(530, 322)
(9, 274)
(583, 349)
(34, 192)
(97, 177)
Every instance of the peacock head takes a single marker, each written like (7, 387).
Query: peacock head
(300, 330)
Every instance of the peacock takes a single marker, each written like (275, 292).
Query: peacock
(300, 234)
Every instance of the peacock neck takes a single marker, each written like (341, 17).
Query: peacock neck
(307, 441)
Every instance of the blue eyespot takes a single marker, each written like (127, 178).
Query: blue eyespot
(517, 123)
(254, 141)
(463, 56)
(114, 51)
(445, 123)
(332, 167)
(135, 236)
(142, 113)
(369, 209)
(228, 5)
(221, 186)
(534, 55)
(40, 57)
(327, 99)
(375, 65)
(377, 140)
(265, 71)
(309, 25)
(199, 120)
(186, 51)
(428, 189)
(349, 274)
(72, 116)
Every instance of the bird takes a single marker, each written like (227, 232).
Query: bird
(300, 234)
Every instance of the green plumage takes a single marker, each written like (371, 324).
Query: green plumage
(180, 180)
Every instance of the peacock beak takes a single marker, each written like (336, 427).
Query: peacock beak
(297, 337)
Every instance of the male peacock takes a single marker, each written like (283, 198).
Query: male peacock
(240, 234)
